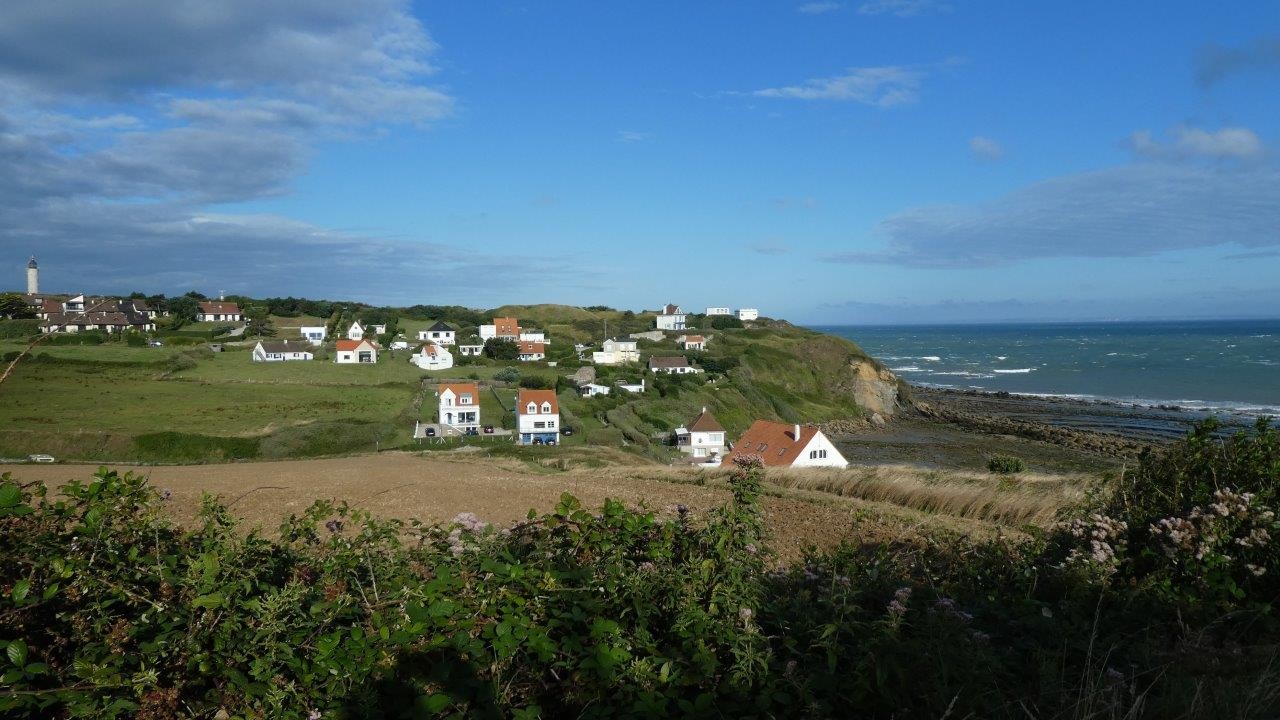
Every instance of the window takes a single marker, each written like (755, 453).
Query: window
(532, 409)
(551, 424)
(815, 454)
(464, 399)
(539, 426)
(782, 451)
(761, 447)
(546, 407)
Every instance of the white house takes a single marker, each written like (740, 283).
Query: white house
(432, 357)
(209, 311)
(280, 351)
(355, 351)
(701, 438)
(459, 406)
(440, 334)
(782, 445)
(593, 389)
(356, 331)
(537, 417)
(503, 328)
(678, 365)
(616, 351)
(670, 318)
(748, 314)
(314, 334)
(631, 387)
(470, 350)
(692, 342)
(399, 343)
(718, 311)
(537, 336)
(531, 351)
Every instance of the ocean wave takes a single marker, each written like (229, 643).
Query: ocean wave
(1196, 406)
(907, 368)
(965, 374)
(930, 358)
(1002, 357)
(1014, 371)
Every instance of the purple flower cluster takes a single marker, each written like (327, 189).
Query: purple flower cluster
(897, 607)
(334, 526)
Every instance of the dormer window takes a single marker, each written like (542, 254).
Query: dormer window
(532, 409)
(464, 400)
(546, 407)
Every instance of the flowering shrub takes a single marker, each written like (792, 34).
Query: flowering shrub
(109, 611)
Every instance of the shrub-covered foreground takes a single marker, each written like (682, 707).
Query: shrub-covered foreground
(1156, 601)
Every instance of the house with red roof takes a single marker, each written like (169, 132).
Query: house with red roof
(433, 357)
(459, 406)
(218, 311)
(783, 445)
(531, 351)
(351, 352)
(692, 342)
(537, 417)
(703, 437)
(502, 328)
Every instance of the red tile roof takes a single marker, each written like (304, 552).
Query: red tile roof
(354, 344)
(776, 443)
(539, 397)
(461, 389)
(219, 308)
(705, 422)
(528, 347)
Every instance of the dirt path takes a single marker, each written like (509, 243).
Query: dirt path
(407, 486)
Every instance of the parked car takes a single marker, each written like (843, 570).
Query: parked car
(156, 343)
(537, 441)
(488, 429)
(431, 432)
(566, 431)
(41, 458)
(551, 442)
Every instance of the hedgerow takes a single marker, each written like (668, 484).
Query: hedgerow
(108, 610)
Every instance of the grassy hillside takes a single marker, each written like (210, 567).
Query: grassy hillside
(116, 402)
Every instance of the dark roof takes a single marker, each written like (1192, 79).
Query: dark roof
(668, 362)
(440, 325)
(705, 422)
(285, 346)
(32, 263)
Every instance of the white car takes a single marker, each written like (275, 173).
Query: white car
(41, 458)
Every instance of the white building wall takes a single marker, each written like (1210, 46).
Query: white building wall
(748, 314)
(314, 334)
(718, 311)
(670, 322)
(820, 453)
(488, 332)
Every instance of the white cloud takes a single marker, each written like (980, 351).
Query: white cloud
(984, 148)
(885, 86)
(819, 8)
(1128, 211)
(631, 136)
(903, 8)
(1190, 142)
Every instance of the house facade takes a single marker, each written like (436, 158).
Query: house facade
(537, 417)
(502, 328)
(470, 350)
(459, 406)
(616, 351)
(748, 314)
(215, 312)
(670, 318)
(314, 334)
(440, 334)
(433, 357)
(537, 336)
(782, 445)
(531, 351)
(281, 351)
(702, 437)
(678, 365)
(356, 331)
(692, 342)
(355, 352)
(718, 311)
(592, 389)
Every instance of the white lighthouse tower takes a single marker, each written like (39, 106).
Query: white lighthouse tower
(33, 277)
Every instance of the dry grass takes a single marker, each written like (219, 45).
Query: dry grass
(1033, 498)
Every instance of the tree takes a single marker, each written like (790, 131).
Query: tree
(501, 349)
(15, 307)
(184, 308)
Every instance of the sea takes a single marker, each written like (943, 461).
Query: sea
(1203, 366)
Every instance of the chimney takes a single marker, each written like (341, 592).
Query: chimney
(796, 432)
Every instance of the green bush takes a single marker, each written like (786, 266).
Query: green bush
(509, 374)
(18, 329)
(1005, 464)
(110, 611)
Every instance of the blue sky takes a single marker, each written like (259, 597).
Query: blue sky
(862, 161)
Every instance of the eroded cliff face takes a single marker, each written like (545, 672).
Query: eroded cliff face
(875, 389)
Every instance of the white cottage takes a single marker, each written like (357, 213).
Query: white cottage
(537, 417)
(670, 318)
(314, 334)
(280, 351)
(745, 314)
(782, 445)
(616, 351)
(353, 352)
(459, 406)
(703, 437)
(356, 331)
(432, 357)
(440, 334)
